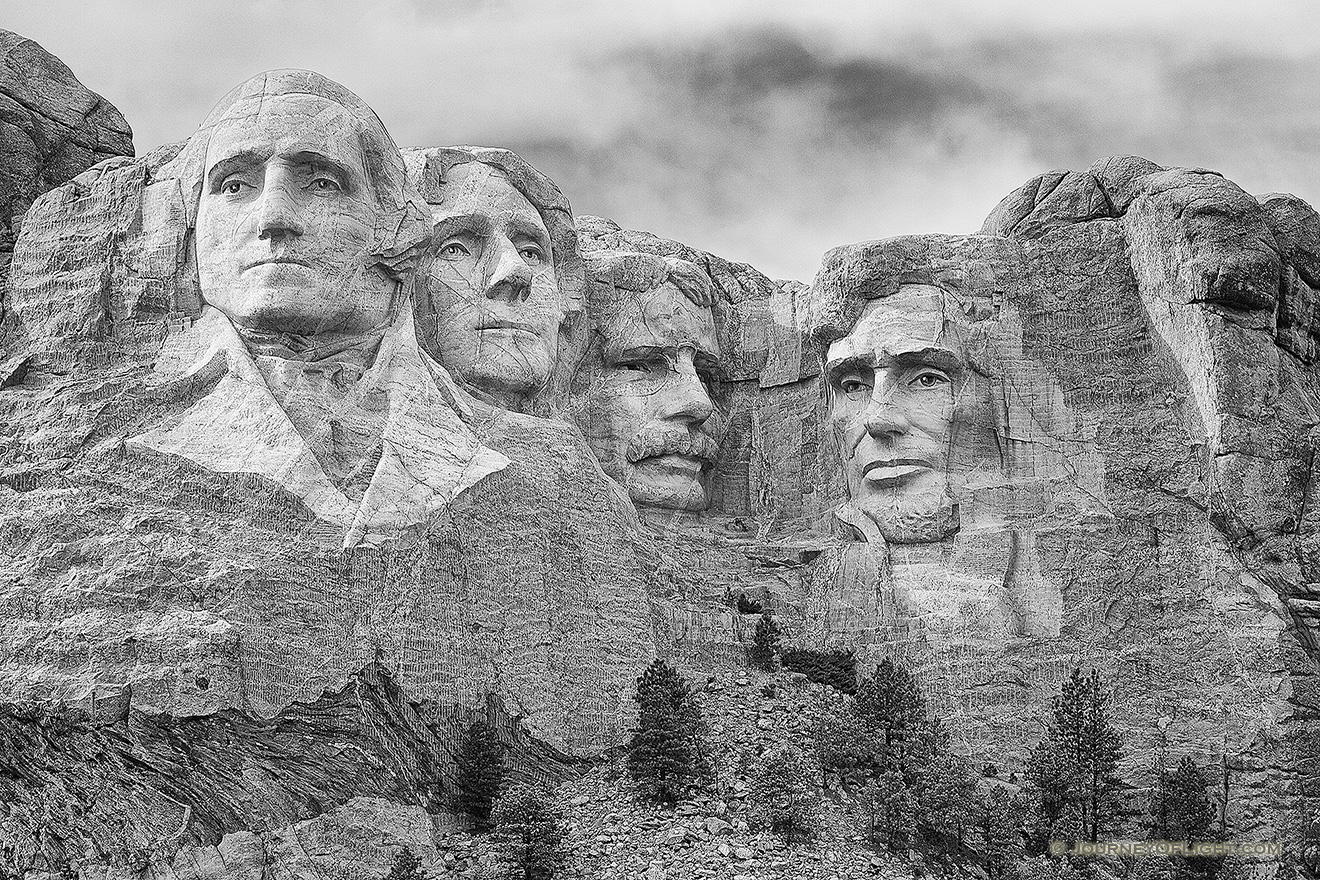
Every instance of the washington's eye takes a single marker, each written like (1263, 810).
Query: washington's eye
(532, 254)
(322, 183)
(452, 250)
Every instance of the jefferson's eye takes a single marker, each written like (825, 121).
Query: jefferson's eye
(532, 254)
(232, 186)
(452, 250)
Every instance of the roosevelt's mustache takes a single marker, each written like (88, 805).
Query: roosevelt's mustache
(672, 442)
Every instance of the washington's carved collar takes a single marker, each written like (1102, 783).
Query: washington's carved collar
(248, 423)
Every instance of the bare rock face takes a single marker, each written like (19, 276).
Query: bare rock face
(51, 129)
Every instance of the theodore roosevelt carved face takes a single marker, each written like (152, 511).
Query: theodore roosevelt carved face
(649, 412)
(287, 219)
(893, 384)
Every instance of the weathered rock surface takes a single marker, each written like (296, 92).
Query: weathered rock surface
(1111, 412)
(52, 128)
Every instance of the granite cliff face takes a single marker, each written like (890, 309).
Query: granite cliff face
(306, 464)
(53, 129)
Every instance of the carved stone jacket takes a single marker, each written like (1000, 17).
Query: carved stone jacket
(424, 452)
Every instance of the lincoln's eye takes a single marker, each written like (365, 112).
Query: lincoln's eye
(852, 385)
(532, 254)
(931, 379)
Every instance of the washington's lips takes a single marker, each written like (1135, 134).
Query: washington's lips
(893, 471)
(700, 448)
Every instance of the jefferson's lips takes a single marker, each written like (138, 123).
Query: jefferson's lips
(289, 261)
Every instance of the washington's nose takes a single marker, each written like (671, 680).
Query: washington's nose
(511, 278)
(279, 215)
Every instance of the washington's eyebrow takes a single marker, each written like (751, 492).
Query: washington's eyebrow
(240, 161)
(247, 159)
(939, 358)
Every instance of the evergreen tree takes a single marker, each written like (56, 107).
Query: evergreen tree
(946, 799)
(1075, 765)
(893, 810)
(528, 832)
(1180, 808)
(1000, 824)
(784, 795)
(406, 866)
(764, 652)
(892, 704)
(480, 773)
(667, 749)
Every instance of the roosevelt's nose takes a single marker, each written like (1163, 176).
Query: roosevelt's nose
(685, 395)
(511, 278)
(279, 215)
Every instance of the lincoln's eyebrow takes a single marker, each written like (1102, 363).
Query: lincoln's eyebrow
(522, 227)
(851, 363)
(939, 358)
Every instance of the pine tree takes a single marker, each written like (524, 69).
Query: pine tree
(406, 866)
(667, 750)
(1074, 768)
(1000, 824)
(893, 810)
(946, 798)
(765, 643)
(528, 832)
(1180, 809)
(784, 795)
(891, 701)
(480, 773)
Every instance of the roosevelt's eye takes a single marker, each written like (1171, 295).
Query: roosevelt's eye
(452, 250)
(930, 379)
(532, 254)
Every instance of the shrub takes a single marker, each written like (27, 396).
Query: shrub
(784, 795)
(406, 866)
(838, 669)
(764, 652)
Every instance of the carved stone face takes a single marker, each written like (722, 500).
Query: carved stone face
(492, 282)
(893, 382)
(286, 220)
(651, 418)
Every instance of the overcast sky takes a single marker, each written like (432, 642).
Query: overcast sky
(763, 131)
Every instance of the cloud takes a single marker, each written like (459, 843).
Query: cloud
(765, 130)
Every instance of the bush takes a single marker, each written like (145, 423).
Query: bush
(480, 773)
(784, 795)
(406, 866)
(743, 603)
(838, 669)
(764, 653)
(843, 742)
(667, 751)
(528, 832)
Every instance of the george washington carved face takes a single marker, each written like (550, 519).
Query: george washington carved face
(287, 219)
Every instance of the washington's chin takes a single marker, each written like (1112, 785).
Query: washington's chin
(673, 482)
(301, 310)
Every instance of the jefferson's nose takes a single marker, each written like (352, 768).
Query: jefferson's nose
(279, 214)
(511, 279)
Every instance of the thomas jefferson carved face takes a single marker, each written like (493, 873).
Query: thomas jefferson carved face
(893, 383)
(492, 283)
(650, 418)
(286, 220)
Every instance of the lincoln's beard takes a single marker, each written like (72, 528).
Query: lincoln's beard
(920, 519)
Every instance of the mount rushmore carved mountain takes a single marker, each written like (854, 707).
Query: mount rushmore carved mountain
(314, 450)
